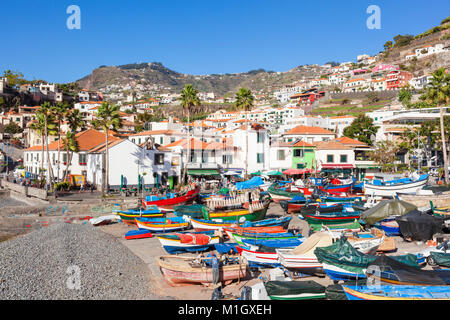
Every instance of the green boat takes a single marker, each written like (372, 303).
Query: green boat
(260, 236)
(443, 212)
(295, 290)
(255, 212)
(353, 226)
(277, 194)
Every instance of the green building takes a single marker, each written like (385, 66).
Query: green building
(303, 155)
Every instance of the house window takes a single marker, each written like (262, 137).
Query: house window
(260, 157)
(227, 159)
(300, 165)
(172, 140)
(343, 158)
(82, 159)
(260, 137)
(64, 157)
(330, 158)
(281, 155)
(159, 158)
(299, 153)
(161, 140)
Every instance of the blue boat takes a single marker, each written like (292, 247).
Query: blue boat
(224, 248)
(286, 243)
(397, 292)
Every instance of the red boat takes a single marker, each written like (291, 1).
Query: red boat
(168, 202)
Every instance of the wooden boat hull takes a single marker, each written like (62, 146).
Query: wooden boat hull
(130, 218)
(138, 234)
(182, 273)
(316, 219)
(162, 227)
(269, 259)
(173, 246)
(238, 216)
(302, 263)
(392, 190)
(168, 204)
(440, 200)
(398, 292)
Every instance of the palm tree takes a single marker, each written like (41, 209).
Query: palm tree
(244, 101)
(70, 145)
(189, 101)
(438, 92)
(142, 119)
(107, 118)
(75, 122)
(60, 112)
(46, 110)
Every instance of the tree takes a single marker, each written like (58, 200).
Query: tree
(404, 96)
(142, 120)
(403, 40)
(107, 118)
(373, 97)
(385, 153)
(388, 45)
(70, 145)
(12, 128)
(14, 78)
(60, 112)
(244, 101)
(361, 129)
(438, 91)
(38, 126)
(189, 101)
(46, 112)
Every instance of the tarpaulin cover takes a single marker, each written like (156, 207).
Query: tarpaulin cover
(385, 209)
(283, 288)
(441, 258)
(193, 210)
(419, 226)
(409, 275)
(250, 184)
(344, 255)
(190, 238)
(226, 247)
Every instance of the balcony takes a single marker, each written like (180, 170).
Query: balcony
(208, 165)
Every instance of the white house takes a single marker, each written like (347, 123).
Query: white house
(280, 156)
(308, 134)
(353, 85)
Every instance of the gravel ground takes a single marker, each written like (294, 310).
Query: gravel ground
(37, 266)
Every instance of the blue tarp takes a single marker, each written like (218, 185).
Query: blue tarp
(250, 184)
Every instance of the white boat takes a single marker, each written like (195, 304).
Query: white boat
(394, 187)
(369, 246)
(303, 258)
(259, 257)
(104, 220)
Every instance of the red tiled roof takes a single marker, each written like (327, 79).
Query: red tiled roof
(308, 130)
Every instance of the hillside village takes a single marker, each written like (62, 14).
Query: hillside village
(296, 125)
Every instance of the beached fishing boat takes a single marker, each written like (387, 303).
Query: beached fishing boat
(443, 212)
(333, 218)
(302, 258)
(162, 224)
(391, 188)
(187, 242)
(202, 225)
(254, 230)
(104, 220)
(128, 216)
(170, 200)
(336, 229)
(278, 194)
(294, 290)
(259, 256)
(389, 226)
(440, 199)
(138, 234)
(184, 270)
(342, 261)
(294, 205)
(274, 243)
(239, 238)
(397, 292)
(388, 270)
(255, 212)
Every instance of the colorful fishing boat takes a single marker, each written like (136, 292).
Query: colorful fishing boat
(169, 201)
(392, 187)
(254, 230)
(329, 219)
(336, 229)
(184, 270)
(274, 243)
(138, 234)
(261, 236)
(255, 212)
(128, 216)
(278, 194)
(258, 257)
(397, 292)
(162, 224)
(202, 225)
(187, 242)
(443, 212)
(294, 290)
(294, 205)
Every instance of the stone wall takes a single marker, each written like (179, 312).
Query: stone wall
(25, 190)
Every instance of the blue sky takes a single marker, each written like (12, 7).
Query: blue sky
(200, 37)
